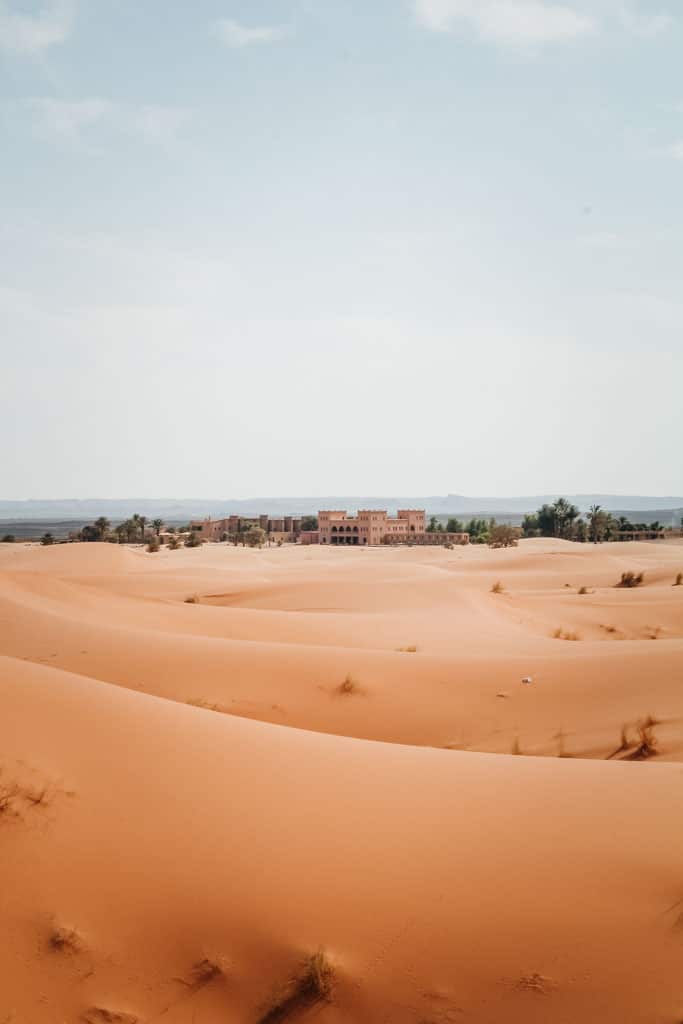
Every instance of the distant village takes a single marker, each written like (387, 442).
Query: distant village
(369, 527)
(366, 528)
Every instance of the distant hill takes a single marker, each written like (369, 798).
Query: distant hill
(181, 509)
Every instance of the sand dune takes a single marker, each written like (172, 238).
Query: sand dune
(193, 804)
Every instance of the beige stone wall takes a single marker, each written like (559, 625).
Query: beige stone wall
(369, 527)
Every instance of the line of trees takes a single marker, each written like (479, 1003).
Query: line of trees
(480, 530)
(131, 531)
(563, 520)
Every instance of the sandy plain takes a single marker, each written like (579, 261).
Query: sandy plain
(220, 767)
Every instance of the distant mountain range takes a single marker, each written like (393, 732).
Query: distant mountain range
(182, 509)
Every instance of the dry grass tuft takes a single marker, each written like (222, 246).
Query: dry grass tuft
(565, 634)
(206, 971)
(561, 748)
(37, 797)
(653, 632)
(630, 579)
(192, 599)
(207, 705)
(497, 588)
(102, 1015)
(679, 580)
(624, 743)
(647, 741)
(8, 795)
(348, 686)
(644, 744)
(584, 590)
(534, 983)
(516, 749)
(313, 984)
(64, 940)
(407, 650)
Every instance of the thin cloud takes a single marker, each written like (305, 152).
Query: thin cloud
(646, 25)
(238, 36)
(74, 119)
(509, 22)
(158, 124)
(530, 23)
(31, 34)
(66, 118)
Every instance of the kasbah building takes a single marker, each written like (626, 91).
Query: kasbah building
(372, 527)
(368, 528)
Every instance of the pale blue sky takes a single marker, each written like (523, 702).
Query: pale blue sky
(309, 247)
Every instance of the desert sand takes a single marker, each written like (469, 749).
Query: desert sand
(228, 774)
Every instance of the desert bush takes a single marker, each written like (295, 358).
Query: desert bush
(584, 590)
(564, 634)
(8, 538)
(193, 541)
(647, 741)
(47, 539)
(192, 599)
(64, 940)
(407, 650)
(254, 537)
(8, 795)
(207, 705)
(312, 984)
(679, 580)
(497, 588)
(448, 546)
(173, 543)
(503, 536)
(153, 545)
(204, 972)
(630, 579)
(349, 685)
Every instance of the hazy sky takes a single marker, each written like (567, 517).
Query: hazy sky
(340, 246)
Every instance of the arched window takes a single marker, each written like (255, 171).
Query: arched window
(334, 529)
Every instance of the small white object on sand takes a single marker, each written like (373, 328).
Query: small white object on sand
(527, 679)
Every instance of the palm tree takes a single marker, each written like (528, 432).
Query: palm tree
(595, 519)
(157, 524)
(143, 520)
(564, 515)
(102, 526)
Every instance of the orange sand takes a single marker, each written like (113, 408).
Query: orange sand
(185, 783)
